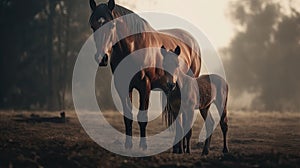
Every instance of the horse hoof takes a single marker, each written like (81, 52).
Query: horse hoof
(176, 151)
(204, 152)
(128, 144)
(186, 150)
(143, 145)
(225, 150)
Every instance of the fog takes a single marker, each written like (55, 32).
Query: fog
(262, 59)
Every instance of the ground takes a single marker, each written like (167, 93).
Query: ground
(42, 139)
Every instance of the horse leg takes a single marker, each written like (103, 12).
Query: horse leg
(224, 127)
(184, 144)
(223, 122)
(187, 124)
(209, 126)
(127, 108)
(142, 117)
(188, 138)
(178, 145)
(184, 139)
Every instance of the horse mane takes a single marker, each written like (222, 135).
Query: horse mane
(136, 23)
(121, 11)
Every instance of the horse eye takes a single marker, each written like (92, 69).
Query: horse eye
(101, 20)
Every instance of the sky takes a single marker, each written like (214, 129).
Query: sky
(208, 15)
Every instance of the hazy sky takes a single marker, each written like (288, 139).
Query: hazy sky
(208, 15)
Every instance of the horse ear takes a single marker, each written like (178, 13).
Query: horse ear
(111, 4)
(177, 51)
(163, 50)
(93, 5)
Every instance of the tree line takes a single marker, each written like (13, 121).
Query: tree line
(39, 45)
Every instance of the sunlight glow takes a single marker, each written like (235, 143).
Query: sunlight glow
(209, 16)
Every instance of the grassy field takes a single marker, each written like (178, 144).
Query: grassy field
(255, 139)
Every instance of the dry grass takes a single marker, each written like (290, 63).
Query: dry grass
(256, 139)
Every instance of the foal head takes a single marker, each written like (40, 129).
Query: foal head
(170, 63)
(102, 14)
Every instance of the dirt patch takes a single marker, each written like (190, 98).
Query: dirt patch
(255, 140)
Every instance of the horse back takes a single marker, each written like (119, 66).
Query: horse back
(212, 88)
(190, 51)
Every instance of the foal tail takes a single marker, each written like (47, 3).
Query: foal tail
(222, 94)
(168, 115)
(170, 112)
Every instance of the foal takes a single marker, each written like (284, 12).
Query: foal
(211, 89)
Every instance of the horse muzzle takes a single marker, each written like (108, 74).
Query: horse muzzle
(171, 86)
(104, 60)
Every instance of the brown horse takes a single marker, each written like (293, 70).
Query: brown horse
(211, 89)
(108, 46)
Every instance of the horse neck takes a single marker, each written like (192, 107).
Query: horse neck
(182, 78)
(120, 48)
(118, 53)
(125, 27)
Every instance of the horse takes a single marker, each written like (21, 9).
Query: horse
(211, 89)
(114, 51)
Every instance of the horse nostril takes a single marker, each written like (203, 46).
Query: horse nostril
(96, 58)
(171, 86)
(104, 60)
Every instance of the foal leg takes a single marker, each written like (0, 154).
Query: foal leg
(187, 124)
(224, 127)
(184, 140)
(208, 124)
(142, 117)
(188, 139)
(184, 145)
(223, 122)
(178, 141)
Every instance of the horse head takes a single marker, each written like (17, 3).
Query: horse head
(170, 63)
(102, 17)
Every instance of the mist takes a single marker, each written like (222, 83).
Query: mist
(263, 57)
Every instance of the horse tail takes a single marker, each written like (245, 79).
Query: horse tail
(170, 112)
(222, 93)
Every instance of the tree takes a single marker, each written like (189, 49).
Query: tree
(39, 44)
(264, 55)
